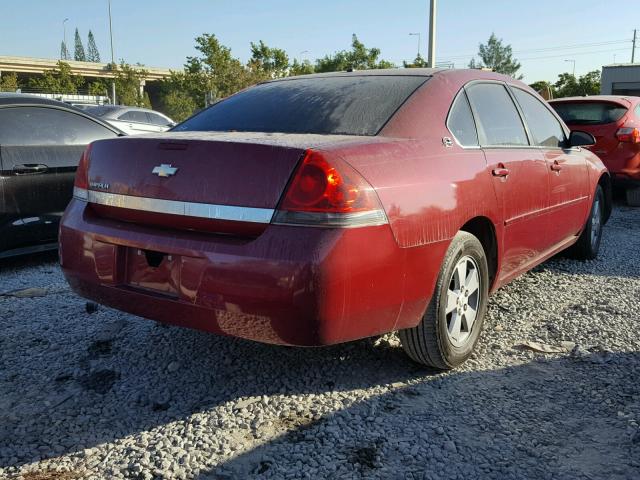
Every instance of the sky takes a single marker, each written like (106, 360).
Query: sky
(544, 34)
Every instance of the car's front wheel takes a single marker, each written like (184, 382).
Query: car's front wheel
(451, 325)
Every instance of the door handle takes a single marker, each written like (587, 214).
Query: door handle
(500, 172)
(29, 169)
(556, 167)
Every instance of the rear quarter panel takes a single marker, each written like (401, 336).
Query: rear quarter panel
(429, 190)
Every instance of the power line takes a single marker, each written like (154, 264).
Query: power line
(578, 53)
(555, 48)
(449, 59)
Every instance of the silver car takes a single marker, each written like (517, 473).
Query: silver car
(132, 120)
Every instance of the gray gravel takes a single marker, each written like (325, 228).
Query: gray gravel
(109, 395)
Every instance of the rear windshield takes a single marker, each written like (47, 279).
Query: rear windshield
(348, 105)
(589, 113)
(101, 111)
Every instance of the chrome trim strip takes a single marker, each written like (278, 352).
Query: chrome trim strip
(173, 207)
(81, 194)
(370, 218)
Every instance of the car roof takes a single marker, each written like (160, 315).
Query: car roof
(461, 75)
(24, 98)
(624, 100)
(383, 72)
(8, 99)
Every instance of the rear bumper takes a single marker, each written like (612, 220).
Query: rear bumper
(291, 285)
(623, 179)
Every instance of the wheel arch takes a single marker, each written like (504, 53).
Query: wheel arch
(484, 230)
(605, 182)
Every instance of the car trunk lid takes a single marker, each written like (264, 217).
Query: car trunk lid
(220, 182)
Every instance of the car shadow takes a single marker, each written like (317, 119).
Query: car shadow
(28, 261)
(548, 415)
(123, 381)
(570, 417)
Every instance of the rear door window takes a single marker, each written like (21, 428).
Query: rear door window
(545, 128)
(461, 122)
(499, 123)
(589, 113)
(349, 105)
(31, 126)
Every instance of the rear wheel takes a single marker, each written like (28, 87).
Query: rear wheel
(451, 325)
(633, 197)
(588, 245)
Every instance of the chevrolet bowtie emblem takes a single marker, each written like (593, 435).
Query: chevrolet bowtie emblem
(164, 170)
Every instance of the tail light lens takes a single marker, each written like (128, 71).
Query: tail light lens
(329, 192)
(81, 184)
(628, 134)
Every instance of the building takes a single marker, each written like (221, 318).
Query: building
(620, 79)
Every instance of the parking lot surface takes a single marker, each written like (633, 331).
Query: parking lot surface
(108, 395)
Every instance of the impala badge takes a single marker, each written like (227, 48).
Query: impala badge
(164, 170)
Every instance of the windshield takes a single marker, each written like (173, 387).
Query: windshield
(349, 105)
(589, 113)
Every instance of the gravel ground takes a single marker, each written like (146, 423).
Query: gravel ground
(109, 395)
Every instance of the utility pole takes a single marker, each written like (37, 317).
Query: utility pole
(633, 50)
(574, 66)
(113, 62)
(431, 62)
(418, 34)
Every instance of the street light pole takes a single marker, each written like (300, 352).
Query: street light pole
(418, 34)
(113, 62)
(633, 49)
(574, 66)
(431, 62)
(64, 36)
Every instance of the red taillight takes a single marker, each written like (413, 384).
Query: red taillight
(81, 184)
(329, 192)
(628, 134)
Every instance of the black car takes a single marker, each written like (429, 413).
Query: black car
(41, 142)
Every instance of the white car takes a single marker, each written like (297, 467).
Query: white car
(132, 120)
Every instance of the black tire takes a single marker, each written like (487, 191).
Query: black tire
(429, 343)
(588, 246)
(633, 197)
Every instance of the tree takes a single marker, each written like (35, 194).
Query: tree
(92, 50)
(64, 52)
(178, 105)
(98, 87)
(79, 54)
(544, 88)
(9, 82)
(358, 58)
(419, 62)
(301, 68)
(128, 80)
(570, 86)
(266, 62)
(497, 57)
(58, 80)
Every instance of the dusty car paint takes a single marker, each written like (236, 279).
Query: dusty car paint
(302, 285)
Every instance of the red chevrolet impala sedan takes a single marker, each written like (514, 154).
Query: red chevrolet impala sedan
(326, 208)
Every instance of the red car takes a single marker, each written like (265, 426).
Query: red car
(326, 208)
(615, 123)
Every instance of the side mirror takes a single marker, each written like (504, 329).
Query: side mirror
(171, 124)
(578, 138)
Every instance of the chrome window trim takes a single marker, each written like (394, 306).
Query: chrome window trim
(173, 207)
